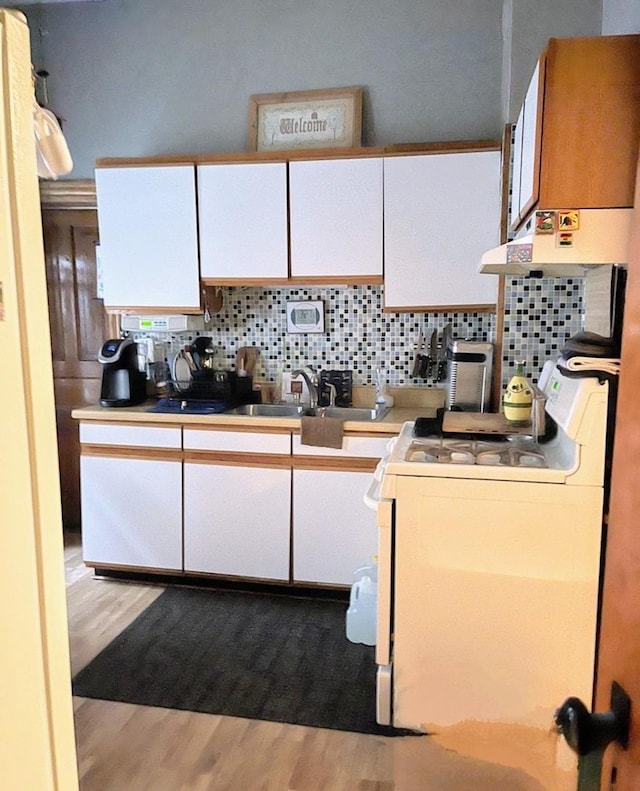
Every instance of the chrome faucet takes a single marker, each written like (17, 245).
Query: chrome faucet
(312, 383)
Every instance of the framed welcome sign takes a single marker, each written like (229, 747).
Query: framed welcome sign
(306, 119)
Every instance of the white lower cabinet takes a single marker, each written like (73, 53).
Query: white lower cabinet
(334, 533)
(217, 500)
(131, 512)
(237, 520)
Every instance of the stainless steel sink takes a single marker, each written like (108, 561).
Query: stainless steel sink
(348, 412)
(297, 410)
(268, 410)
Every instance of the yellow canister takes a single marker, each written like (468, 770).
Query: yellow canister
(518, 398)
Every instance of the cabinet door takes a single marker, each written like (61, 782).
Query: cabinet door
(131, 512)
(336, 217)
(242, 210)
(516, 172)
(529, 181)
(334, 533)
(148, 237)
(441, 212)
(237, 520)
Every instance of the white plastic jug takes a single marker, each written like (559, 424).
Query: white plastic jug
(361, 614)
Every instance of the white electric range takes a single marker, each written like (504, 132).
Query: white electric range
(489, 563)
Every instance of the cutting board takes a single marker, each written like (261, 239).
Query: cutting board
(247, 357)
(481, 423)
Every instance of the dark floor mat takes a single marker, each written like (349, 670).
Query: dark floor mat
(264, 657)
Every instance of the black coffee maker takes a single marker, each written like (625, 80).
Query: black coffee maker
(123, 384)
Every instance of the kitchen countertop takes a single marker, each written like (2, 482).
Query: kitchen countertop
(390, 424)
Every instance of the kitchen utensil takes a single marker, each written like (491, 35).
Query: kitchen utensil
(445, 341)
(181, 371)
(343, 383)
(417, 362)
(433, 354)
(469, 371)
(246, 360)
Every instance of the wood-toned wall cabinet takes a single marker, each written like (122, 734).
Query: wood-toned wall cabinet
(441, 212)
(148, 237)
(576, 138)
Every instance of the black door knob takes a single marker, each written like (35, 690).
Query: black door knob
(586, 732)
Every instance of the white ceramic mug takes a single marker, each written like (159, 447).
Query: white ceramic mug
(52, 152)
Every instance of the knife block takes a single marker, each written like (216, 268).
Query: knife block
(343, 383)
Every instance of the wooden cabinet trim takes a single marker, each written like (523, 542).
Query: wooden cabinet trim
(135, 569)
(324, 280)
(238, 459)
(71, 194)
(129, 452)
(488, 308)
(359, 434)
(399, 149)
(147, 311)
(334, 463)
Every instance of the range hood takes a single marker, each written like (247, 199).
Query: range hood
(601, 237)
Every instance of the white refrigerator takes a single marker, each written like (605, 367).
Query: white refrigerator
(37, 749)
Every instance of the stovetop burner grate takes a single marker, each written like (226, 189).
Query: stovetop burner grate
(514, 453)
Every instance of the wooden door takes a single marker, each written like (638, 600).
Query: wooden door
(619, 652)
(79, 327)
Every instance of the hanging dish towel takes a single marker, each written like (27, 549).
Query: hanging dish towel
(324, 432)
(607, 365)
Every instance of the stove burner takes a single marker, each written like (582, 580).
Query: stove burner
(512, 457)
(446, 451)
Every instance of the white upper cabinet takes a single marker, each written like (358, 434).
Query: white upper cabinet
(336, 218)
(148, 237)
(242, 210)
(516, 172)
(526, 154)
(441, 212)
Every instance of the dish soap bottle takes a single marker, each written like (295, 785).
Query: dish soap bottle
(383, 398)
(518, 397)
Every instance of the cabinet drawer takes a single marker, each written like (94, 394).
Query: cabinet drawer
(238, 441)
(360, 447)
(135, 436)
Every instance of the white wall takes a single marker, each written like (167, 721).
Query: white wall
(144, 77)
(529, 27)
(147, 77)
(620, 17)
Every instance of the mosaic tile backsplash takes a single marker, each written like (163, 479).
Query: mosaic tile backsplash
(539, 316)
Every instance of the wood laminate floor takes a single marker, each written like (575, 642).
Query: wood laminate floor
(122, 747)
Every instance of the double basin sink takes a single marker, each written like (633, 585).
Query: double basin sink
(295, 410)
